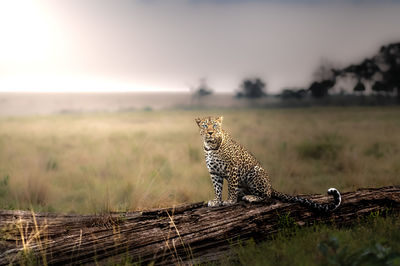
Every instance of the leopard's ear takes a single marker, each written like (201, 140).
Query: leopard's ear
(198, 120)
(219, 119)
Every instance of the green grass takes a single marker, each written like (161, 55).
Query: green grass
(96, 162)
(372, 242)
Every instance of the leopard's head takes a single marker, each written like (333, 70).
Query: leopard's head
(211, 131)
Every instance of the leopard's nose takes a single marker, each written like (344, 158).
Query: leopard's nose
(210, 133)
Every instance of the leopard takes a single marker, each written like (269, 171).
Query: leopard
(247, 180)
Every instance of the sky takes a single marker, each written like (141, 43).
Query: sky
(165, 45)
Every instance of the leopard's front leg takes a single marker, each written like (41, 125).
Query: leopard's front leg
(217, 181)
(233, 188)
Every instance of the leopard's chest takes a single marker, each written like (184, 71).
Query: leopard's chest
(215, 163)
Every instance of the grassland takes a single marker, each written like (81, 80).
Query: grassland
(96, 162)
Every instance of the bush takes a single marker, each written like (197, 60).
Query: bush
(379, 150)
(326, 146)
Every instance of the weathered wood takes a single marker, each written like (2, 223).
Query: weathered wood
(184, 234)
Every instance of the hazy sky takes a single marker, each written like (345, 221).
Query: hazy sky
(121, 45)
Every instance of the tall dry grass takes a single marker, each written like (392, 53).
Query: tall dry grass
(125, 161)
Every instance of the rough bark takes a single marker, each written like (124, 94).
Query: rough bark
(185, 234)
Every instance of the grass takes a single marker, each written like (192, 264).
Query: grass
(372, 242)
(96, 162)
(37, 237)
(324, 146)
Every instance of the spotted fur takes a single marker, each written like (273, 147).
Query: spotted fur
(247, 179)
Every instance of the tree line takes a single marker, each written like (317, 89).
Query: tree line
(248, 88)
(379, 73)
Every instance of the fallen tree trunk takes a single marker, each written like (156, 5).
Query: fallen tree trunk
(184, 234)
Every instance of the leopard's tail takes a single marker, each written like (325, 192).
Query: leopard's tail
(328, 207)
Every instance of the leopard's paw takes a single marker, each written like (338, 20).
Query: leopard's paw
(252, 198)
(228, 202)
(214, 203)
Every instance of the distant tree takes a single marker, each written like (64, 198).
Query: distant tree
(380, 87)
(365, 70)
(382, 70)
(324, 71)
(389, 59)
(324, 79)
(363, 73)
(360, 87)
(293, 93)
(252, 88)
(202, 89)
(320, 89)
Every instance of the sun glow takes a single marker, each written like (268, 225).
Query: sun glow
(43, 50)
(32, 46)
(29, 35)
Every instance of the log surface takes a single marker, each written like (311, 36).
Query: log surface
(181, 235)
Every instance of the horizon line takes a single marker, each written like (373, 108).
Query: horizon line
(103, 91)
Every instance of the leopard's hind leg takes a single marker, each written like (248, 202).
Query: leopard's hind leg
(259, 186)
(245, 195)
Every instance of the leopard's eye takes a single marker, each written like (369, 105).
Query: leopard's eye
(204, 125)
(215, 126)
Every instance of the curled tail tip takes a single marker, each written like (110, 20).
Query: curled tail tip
(336, 195)
(333, 191)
